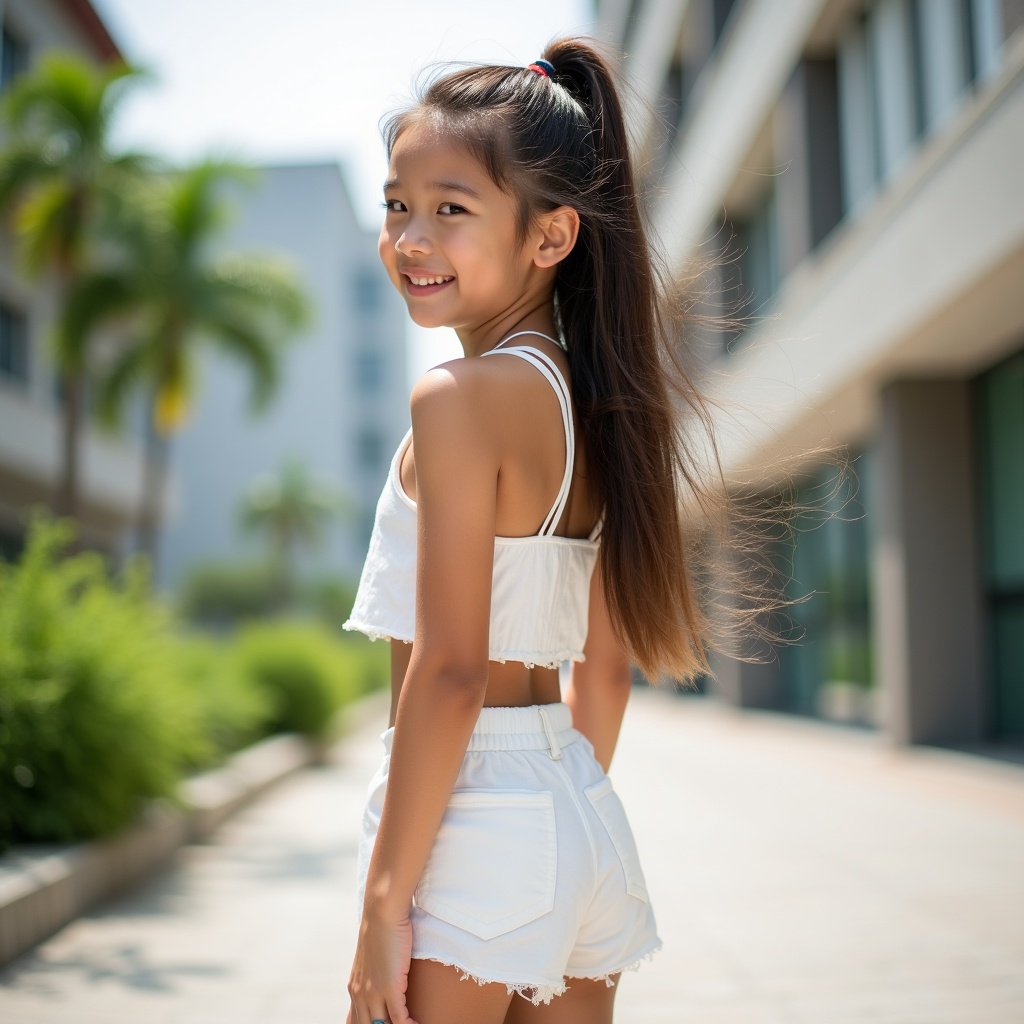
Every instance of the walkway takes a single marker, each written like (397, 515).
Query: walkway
(802, 874)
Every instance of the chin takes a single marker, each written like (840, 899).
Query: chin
(424, 319)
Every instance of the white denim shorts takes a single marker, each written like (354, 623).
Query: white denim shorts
(534, 876)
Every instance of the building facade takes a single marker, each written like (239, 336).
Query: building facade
(30, 412)
(342, 404)
(855, 169)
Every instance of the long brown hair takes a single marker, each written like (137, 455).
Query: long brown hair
(647, 431)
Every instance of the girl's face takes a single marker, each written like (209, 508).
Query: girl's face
(449, 237)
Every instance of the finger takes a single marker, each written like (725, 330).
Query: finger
(398, 1010)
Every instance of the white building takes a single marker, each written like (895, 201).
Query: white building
(342, 405)
(30, 418)
(866, 157)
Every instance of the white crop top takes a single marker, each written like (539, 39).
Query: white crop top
(540, 585)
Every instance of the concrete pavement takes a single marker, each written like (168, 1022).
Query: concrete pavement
(802, 874)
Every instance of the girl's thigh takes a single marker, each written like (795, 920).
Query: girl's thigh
(438, 995)
(585, 1002)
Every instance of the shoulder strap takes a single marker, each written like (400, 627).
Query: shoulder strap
(549, 368)
(519, 334)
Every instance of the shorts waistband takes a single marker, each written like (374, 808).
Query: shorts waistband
(537, 727)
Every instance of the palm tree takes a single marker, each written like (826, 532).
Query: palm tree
(292, 510)
(162, 296)
(56, 175)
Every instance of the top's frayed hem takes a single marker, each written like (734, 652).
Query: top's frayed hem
(537, 994)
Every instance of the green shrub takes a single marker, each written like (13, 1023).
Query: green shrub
(225, 593)
(371, 662)
(307, 672)
(329, 599)
(233, 710)
(94, 716)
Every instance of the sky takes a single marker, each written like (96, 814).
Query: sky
(274, 81)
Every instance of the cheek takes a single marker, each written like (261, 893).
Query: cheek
(387, 253)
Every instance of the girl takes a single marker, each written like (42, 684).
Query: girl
(534, 511)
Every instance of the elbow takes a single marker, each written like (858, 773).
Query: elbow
(613, 676)
(455, 683)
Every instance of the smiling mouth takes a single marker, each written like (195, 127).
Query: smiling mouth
(423, 285)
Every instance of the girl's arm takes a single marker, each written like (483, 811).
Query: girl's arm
(457, 465)
(599, 687)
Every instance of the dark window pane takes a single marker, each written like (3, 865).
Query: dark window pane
(370, 449)
(13, 346)
(1001, 456)
(13, 58)
(369, 371)
(369, 290)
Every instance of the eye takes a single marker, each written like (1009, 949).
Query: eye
(448, 209)
(393, 205)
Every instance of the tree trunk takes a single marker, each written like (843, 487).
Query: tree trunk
(72, 394)
(153, 484)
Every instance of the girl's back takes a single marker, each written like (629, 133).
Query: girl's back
(545, 520)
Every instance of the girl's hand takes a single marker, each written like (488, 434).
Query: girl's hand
(380, 972)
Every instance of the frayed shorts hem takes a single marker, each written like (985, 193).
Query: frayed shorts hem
(630, 965)
(545, 991)
(536, 992)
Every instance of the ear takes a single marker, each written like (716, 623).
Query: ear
(558, 230)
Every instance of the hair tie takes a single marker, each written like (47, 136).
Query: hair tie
(542, 67)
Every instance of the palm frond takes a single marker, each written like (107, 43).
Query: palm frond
(22, 165)
(261, 283)
(66, 92)
(254, 349)
(48, 223)
(131, 369)
(93, 300)
(194, 206)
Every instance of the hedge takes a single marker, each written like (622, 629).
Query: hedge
(105, 702)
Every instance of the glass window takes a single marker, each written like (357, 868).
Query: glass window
(13, 58)
(893, 61)
(752, 281)
(369, 290)
(370, 368)
(13, 346)
(988, 33)
(828, 564)
(720, 11)
(857, 139)
(370, 449)
(1001, 458)
(944, 46)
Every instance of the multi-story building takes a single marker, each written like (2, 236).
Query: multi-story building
(342, 404)
(30, 413)
(860, 163)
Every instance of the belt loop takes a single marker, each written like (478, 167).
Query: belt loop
(553, 748)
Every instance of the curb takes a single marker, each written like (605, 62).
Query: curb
(42, 888)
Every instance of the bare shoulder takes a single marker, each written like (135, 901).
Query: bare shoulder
(465, 392)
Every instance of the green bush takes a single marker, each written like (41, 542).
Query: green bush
(94, 716)
(233, 711)
(306, 671)
(225, 593)
(103, 704)
(329, 599)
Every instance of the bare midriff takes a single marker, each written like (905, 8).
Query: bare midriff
(509, 685)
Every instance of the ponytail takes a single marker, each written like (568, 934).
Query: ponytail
(608, 311)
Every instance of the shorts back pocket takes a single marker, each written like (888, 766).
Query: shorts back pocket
(608, 806)
(493, 863)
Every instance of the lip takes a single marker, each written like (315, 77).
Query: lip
(425, 289)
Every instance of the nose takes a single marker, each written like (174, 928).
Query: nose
(414, 239)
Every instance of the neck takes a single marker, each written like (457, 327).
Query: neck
(482, 338)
